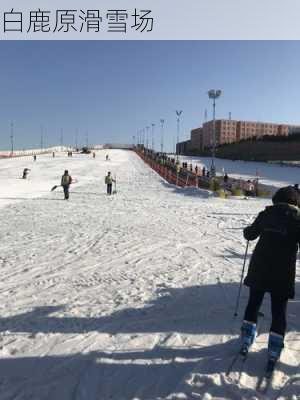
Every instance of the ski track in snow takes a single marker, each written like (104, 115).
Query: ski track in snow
(129, 296)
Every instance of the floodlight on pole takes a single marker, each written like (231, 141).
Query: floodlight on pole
(76, 139)
(214, 94)
(87, 139)
(152, 136)
(12, 137)
(61, 137)
(42, 137)
(162, 121)
(147, 136)
(178, 113)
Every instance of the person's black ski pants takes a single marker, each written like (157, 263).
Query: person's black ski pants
(278, 306)
(109, 188)
(66, 191)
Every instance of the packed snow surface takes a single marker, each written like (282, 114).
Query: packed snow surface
(128, 297)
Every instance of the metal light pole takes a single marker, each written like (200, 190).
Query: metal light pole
(162, 121)
(214, 94)
(178, 113)
(147, 137)
(61, 137)
(87, 138)
(152, 133)
(42, 137)
(12, 137)
(76, 139)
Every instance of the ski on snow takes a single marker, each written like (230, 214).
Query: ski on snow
(239, 358)
(265, 380)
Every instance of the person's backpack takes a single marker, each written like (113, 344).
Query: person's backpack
(65, 180)
(108, 180)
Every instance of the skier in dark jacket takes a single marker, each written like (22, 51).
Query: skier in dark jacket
(25, 173)
(109, 181)
(272, 267)
(66, 181)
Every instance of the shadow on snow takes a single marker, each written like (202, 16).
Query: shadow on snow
(127, 374)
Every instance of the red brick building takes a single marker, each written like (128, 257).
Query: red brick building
(231, 131)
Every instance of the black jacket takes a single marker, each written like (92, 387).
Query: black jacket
(273, 263)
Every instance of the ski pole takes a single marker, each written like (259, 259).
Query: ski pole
(241, 282)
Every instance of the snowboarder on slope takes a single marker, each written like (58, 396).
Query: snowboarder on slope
(66, 181)
(109, 181)
(272, 267)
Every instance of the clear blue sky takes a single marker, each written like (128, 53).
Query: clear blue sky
(110, 89)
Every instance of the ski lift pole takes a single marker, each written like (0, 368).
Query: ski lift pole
(241, 282)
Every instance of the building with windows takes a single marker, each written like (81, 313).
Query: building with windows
(232, 131)
(196, 139)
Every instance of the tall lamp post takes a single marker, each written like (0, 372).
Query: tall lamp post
(61, 137)
(162, 121)
(214, 94)
(76, 139)
(152, 134)
(12, 137)
(178, 113)
(147, 136)
(87, 138)
(42, 138)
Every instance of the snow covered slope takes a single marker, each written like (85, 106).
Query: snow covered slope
(124, 297)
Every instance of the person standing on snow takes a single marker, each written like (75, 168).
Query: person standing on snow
(109, 181)
(25, 173)
(272, 267)
(249, 188)
(225, 178)
(66, 181)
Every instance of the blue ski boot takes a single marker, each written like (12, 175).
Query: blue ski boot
(248, 335)
(275, 346)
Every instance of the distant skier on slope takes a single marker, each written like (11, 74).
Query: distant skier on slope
(109, 181)
(66, 181)
(25, 173)
(272, 267)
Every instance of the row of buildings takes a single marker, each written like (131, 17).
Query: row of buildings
(231, 131)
